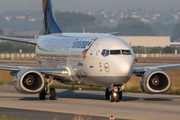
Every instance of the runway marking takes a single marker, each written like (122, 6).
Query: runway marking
(68, 112)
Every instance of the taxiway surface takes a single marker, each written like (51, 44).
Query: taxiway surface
(92, 103)
(88, 103)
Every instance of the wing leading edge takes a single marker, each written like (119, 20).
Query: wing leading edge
(29, 41)
(48, 71)
(163, 67)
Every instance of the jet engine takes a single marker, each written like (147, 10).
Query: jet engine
(155, 81)
(29, 81)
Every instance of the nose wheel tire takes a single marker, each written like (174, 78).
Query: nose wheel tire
(107, 94)
(52, 94)
(120, 95)
(42, 95)
(111, 97)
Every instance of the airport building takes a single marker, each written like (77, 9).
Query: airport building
(147, 41)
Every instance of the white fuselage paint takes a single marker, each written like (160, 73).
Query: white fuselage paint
(81, 54)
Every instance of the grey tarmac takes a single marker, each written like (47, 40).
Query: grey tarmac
(93, 103)
(45, 115)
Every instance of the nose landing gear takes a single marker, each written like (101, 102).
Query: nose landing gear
(115, 96)
(114, 93)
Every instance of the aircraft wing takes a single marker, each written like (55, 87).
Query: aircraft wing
(47, 71)
(29, 41)
(163, 67)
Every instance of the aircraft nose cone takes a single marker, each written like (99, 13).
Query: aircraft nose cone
(126, 66)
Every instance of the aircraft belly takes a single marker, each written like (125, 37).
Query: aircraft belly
(101, 81)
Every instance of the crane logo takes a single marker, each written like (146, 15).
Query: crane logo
(106, 67)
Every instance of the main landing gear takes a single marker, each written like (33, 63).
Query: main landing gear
(47, 91)
(114, 93)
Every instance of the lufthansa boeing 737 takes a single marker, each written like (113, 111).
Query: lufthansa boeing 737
(92, 59)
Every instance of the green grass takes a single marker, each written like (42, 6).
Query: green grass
(3, 82)
(132, 89)
(127, 89)
(76, 86)
(131, 86)
(10, 118)
(173, 91)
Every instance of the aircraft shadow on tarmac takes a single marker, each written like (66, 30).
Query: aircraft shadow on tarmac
(72, 94)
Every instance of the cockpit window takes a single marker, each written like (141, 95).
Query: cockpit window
(126, 52)
(115, 52)
(107, 52)
(103, 52)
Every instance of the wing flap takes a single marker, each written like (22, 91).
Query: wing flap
(29, 41)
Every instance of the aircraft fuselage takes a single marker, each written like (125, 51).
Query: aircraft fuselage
(92, 59)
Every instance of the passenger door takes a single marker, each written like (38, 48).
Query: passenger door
(92, 55)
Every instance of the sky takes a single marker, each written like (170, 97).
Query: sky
(93, 5)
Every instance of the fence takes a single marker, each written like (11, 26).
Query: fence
(140, 57)
(18, 56)
(158, 57)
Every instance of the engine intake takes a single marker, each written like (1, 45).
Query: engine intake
(29, 81)
(155, 81)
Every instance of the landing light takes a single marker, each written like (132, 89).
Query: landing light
(64, 72)
(114, 94)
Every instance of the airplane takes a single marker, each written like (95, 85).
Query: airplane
(91, 59)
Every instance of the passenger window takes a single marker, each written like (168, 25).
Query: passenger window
(103, 52)
(107, 52)
(126, 52)
(115, 52)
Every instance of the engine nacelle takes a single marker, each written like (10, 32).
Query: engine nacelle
(155, 81)
(29, 81)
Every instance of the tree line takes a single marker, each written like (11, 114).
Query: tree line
(14, 47)
(75, 22)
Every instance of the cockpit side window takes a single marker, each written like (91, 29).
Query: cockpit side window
(103, 52)
(126, 52)
(115, 52)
